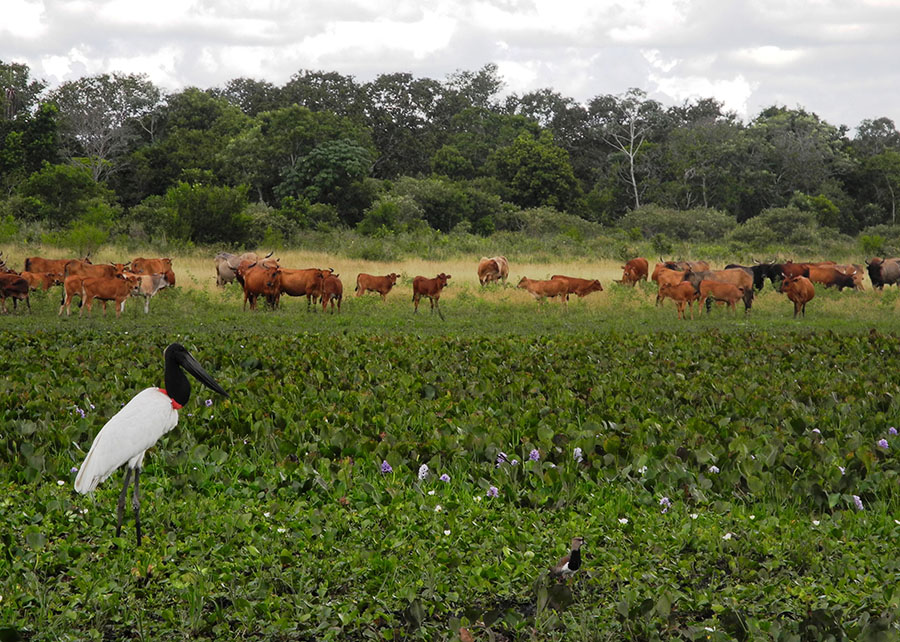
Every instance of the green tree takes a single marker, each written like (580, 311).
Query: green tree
(19, 93)
(536, 172)
(60, 194)
(206, 213)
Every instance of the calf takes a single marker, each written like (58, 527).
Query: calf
(682, 294)
(723, 292)
(579, 287)
(380, 284)
(13, 285)
(493, 269)
(148, 285)
(332, 290)
(635, 270)
(541, 290)
(42, 280)
(736, 276)
(430, 288)
(71, 288)
(800, 291)
(665, 276)
(116, 288)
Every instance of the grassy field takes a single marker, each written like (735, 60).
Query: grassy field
(716, 468)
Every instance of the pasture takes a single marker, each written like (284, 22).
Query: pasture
(728, 474)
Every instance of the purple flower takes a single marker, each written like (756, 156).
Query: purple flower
(817, 431)
(423, 471)
(501, 459)
(493, 491)
(892, 431)
(208, 403)
(534, 455)
(73, 469)
(79, 411)
(514, 462)
(882, 443)
(665, 503)
(386, 467)
(858, 502)
(91, 405)
(576, 454)
(714, 469)
(445, 477)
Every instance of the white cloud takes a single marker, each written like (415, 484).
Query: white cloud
(734, 93)
(771, 55)
(23, 18)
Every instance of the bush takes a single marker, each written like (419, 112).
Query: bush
(779, 226)
(688, 225)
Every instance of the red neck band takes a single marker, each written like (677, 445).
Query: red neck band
(175, 404)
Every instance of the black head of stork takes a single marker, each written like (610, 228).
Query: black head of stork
(178, 359)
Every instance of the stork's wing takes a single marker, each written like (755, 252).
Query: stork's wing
(131, 431)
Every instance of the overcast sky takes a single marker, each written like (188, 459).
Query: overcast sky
(837, 58)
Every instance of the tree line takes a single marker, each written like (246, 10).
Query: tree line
(225, 164)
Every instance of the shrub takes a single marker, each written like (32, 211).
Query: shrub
(688, 225)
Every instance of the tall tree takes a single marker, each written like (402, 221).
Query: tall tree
(252, 96)
(19, 93)
(537, 172)
(101, 117)
(325, 91)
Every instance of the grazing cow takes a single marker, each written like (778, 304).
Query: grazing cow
(800, 291)
(38, 264)
(148, 285)
(227, 265)
(883, 272)
(115, 288)
(541, 290)
(306, 282)
(665, 276)
(789, 269)
(696, 266)
(151, 266)
(635, 270)
(829, 276)
(432, 289)
(736, 276)
(71, 288)
(493, 269)
(760, 272)
(42, 280)
(717, 291)
(87, 269)
(332, 290)
(579, 287)
(259, 280)
(380, 284)
(682, 293)
(856, 272)
(13, 285)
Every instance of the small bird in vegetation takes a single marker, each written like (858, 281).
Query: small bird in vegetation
(148, 416)
(567, 566)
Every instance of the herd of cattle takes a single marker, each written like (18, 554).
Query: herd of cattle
(685, 282)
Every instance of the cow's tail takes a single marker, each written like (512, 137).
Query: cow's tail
(357, 283)
(28, 264)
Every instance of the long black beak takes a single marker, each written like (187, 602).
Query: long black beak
(187, 361)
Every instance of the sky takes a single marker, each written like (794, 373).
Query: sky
(837, 58)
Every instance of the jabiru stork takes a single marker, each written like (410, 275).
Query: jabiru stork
(137, 426)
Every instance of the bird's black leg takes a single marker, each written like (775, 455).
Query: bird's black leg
(136, 502)
(121, 509)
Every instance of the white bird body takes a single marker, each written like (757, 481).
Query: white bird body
(127, 436)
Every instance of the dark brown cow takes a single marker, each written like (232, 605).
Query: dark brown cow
(829, 275)
(682, 293)
(116, 288)
(431, 288)
(789, 269)
(259, 280)
(579, 287)
(332, 290)
(541, 290)
(635, 270)
(13, 285)
(800, 291)
(380, 284)
(727, 293)
(495, 268)
(306, 282)
(151, 266)
(883, 272)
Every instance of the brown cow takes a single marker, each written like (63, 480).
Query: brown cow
(306, 282)
(789, 269)
(495, 268)
(259, 280)
(39, 264)
(151, 266)
(541, 290)
(829, 275)
(635, 270)
(727, 293)
(380, 284)
(579, 287)
(227, 265)
(13, 285)
(665, 276)
(696, 266)
(736, 276)
(42, 280)
(87, 269)
(332, 290)
(682, 293)
(71, 288)
(116, 288)
(431, 288)
(800, 290)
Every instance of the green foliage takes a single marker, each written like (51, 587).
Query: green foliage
(60, 194)
(685, 225)
(9, 229)
(206, 213)
(779, 226)
(871, 244)
(392, 213)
